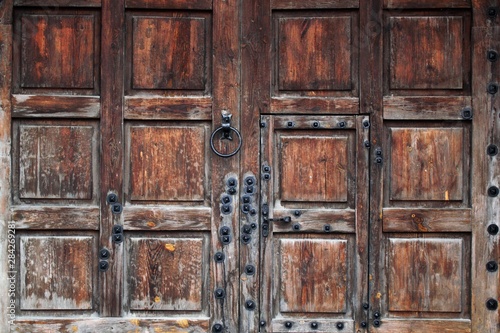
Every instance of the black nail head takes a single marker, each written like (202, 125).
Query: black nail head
(297, 213)
(492, 150)
(289, 124)
(249, 269)
(376, 315)
(327, 228)
(217, 328)
(314, 325)
(341, 124)
(112, 198)
(340, 326)
(296, 226)
(262, 323)
(219, 257)
(250, 305)
(219, 293)
(316, 124)
(262, 124)
(364, 324)
(493, 191)
(288, 324)
(492, 304)
(267, 176)
(367, 144)
(492, 88)
(493, 229)
(376, 323)
(366, 306)
(492, 12)
(366, 124)
(467, 114)
(492, 55)
(492, 266)
(253, 225)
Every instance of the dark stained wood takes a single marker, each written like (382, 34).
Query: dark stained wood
(38, 106)
(397, 4)
(321, 173)
(427, 220)
(168, 53)
(108, 325)
(166, 218)
(425, 108)
(432, 282)
(314, 106)
(339, 220)
(298, 4)
(45, 64)
(166, 273)
(173, 108)
(111, 168)
(56, 218)
(169, 4)
(308, 54)
(426, 164)
(309, 283)
(426, 52)
(55, 162)
(167, 163)
(59, 3)
(305, 122)
(56, 274)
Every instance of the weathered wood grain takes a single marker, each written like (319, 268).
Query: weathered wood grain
(315, 106)
(321, 4)
(172, 108)
(427, 220)
(59, 3)
(39, 106)
(397, 4)
(169, 4)
(339, 220)
(56, 217)
(425, 108)
(166, 218)
(426, 325)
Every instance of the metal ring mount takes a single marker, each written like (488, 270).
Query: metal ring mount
(228, 129)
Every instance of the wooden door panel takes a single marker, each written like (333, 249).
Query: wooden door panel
(313, 175)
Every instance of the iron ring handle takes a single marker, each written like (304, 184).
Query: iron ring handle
(240, 139)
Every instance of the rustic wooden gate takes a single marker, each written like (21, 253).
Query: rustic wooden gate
(364, 197)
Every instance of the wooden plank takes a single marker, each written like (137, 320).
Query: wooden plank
(168, 108)
(166, 218)
(322, 4)
(111, 175)
(56, 217)
(191, 324)
(339, 220)
(315, 106)
(427, 220)
(5, 161)
(424, 325)
(324, 325)
(425, 108)
(393, 4)
(169, 4)
(42, 106)
(58, 3)
(306, 122)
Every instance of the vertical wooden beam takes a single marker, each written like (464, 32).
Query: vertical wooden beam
(226, 97)
(485, 171)
(371, 102)
(111, 173)
(255, 46)
(5, 158)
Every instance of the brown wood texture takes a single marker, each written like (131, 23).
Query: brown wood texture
(425, 108)
(142, 217)
(427, 4)
(38, 106)
(427, 220)
(57, 274)
(112, 138)
(314, 106)
(169, 4)
(297, 4)
(414, 326)
(56, 217)
(166, 273)
(58, 3)
(168, 53)
(309, 282)
(172, 108)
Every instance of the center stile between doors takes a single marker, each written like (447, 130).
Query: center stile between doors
(252, 166)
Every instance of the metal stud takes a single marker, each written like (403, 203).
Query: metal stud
(376, 315)
(262, 323)
(492, 88)
(493, 229)
(262, 124)
(103, 266)
(492, 150)
(492, 304)
(245, 239)
(250, 305)
(219, 293)
(112, 198)
(226, 199)
(377, 323)
(219, 257)
(467, 113)
(117, 238)
(492, 12)
(366, 124)
(340, 326)
(314, 325)
(225, 230)
(104, 254)
(493, 191)
(327, 228)
(116, 208)
(231, 182)
(315, 124)
(226, 209)
(364, 324)
(250, 269)
(297, 213)
(290, 124)
(492, 266)
(217, 328)
(288, 324)
(366, 306)
(341, 124)
(296, 227)
(492, 55)
(118, 229)
(367, 144)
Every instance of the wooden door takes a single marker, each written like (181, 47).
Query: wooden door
(116, 194)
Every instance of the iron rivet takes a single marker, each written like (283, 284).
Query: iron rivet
(117, 229)
(247, 229)
(226, 209)
(231, 190)
(376, 323)
(118, 238)
(112, 198)
(246, 199)
(104, 254)
(297, 213)
(219, 257)
(364, 324)
(493, 191)
(492, 266)
(287, 219)
(253, 212)
(262, 323)
(492, 150)
(253, 225)
(226, 199)
(267, 176)
(367, 144)
(250, 189)
(250, 305)
(249, 269)
(378, 160)
(492, 304)
(231, 182)
(492, 88)
(366, 124)
(314, 325)
(492, 12)
(219, 293)
(492, 55)
(262, 124)
(288, 324)
(467, 113)
(245, 208)
(376, 314)
(366, 306)
(296, 226)
(103, 266)
(340, 326)
(217, 328)
(250, 181)
(289, 124)
(226, 240)
(246, 239)
(493, 229)
(267, 168)
(316, 124)
(342, 124)
(117, 208)
(225, 230)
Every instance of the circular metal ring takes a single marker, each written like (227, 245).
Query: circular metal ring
(240, 139)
